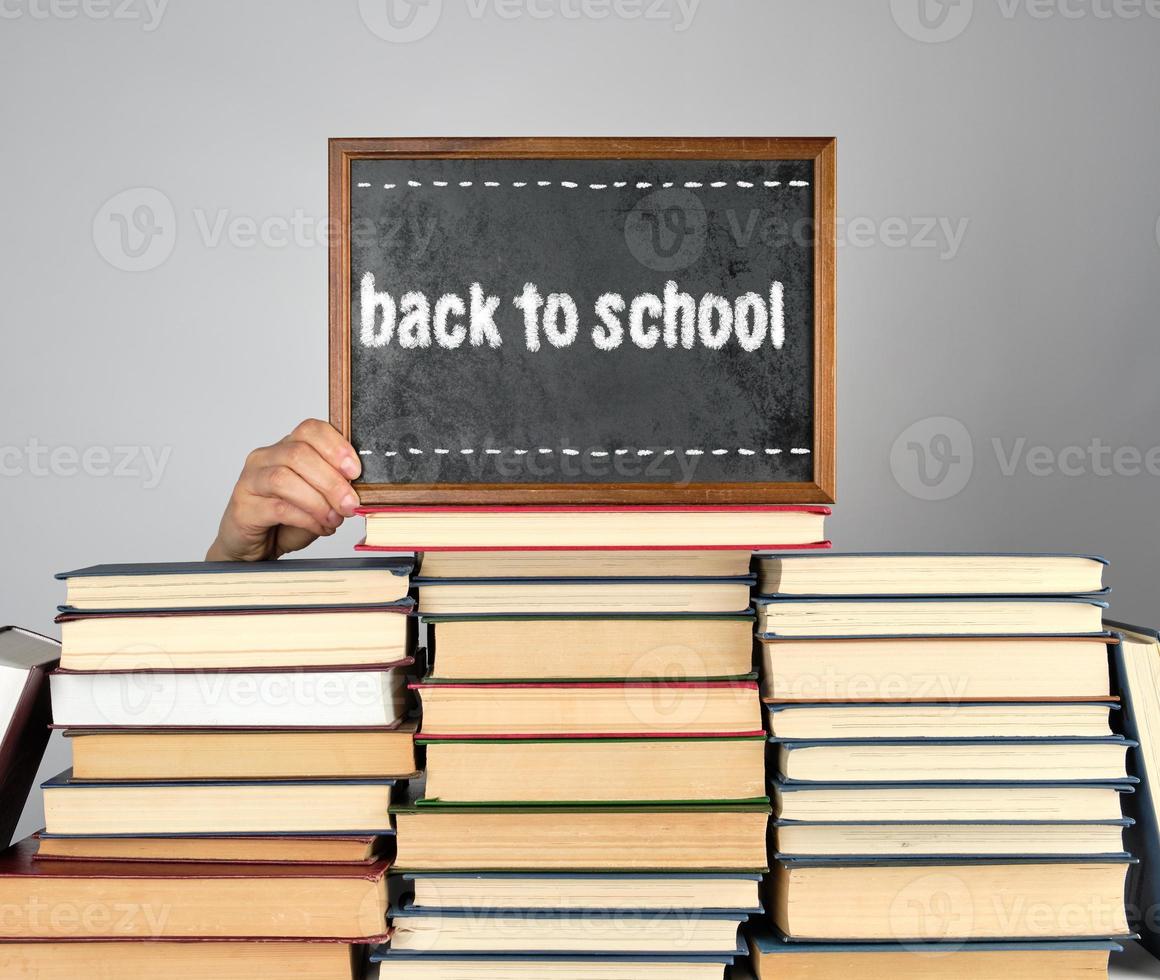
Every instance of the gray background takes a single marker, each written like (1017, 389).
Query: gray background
(1041, 134)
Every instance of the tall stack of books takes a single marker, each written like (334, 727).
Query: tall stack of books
(947, 781)
(237, 731)
(595, 804)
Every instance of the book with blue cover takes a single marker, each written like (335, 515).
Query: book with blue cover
(441, 597)
(237, 585)
(1137, 670)
(929, 615)
(974, 802)
(949, 899)
(957, 760)
(907, 839)
(845, 720)
(949, 669)
(899, 574)
(773, 956)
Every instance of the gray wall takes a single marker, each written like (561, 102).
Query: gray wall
(1028, 128)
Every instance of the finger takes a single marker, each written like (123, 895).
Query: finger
(329, 444)
(288, 538)
(304, 460)
(272, 512)
(283, 483)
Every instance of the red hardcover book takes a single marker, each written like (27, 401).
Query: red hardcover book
(594, 528)
(623, 709)
(171, 900)
(26, 659)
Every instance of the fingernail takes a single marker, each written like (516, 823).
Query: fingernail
(349, 503)
(350, 467)
(333, 518)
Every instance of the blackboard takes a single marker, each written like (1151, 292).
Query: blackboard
(584, 320)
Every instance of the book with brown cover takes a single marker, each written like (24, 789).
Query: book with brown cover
(25, 714)
(146, 900)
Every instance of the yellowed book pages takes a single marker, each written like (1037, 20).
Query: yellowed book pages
(672, 839)
(550, 649)
(600, 770)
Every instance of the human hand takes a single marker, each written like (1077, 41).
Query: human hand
(289, 494)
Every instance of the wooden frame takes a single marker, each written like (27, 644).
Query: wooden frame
(821, 151)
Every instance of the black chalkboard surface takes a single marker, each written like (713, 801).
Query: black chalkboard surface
(584, 321)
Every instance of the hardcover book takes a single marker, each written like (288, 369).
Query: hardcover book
(589, 709)
(978, 899)
(775, 958)
(649, 647)
(530, 528)
(694, 837)
(184, 959)
(190, 902)
(78, 808)
(933, 574)
(180, 586)
(212, 639)
(930, 616)
(1137, 669)
(26, 658)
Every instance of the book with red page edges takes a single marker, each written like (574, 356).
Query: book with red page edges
(594, 528)
(185, 901)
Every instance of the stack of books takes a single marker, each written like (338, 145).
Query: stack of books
(237, 732)
(595, 803)
(946, 773)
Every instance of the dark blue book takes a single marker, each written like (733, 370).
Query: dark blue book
(963, 899)
(954, 760)
(899, 574)
(929, 615)
(1136, 661)
(1040, 959)
(291, 582)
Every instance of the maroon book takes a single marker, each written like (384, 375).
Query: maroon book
(25, 714)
